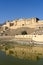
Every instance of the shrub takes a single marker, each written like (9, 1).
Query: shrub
(11, 52)
(6, 48)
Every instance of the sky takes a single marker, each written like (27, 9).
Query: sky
(16, 9)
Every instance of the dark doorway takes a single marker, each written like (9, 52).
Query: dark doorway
(24, 33)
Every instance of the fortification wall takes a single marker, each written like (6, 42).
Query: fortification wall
(31, 23)
(37, 38)
(21, 23)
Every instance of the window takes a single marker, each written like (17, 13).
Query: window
(39, 27)
(11, 24)
(6, 34)
(6, 28)
(35, 35)
(37, 19)
(22, 24)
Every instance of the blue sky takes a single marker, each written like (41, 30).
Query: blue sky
(13, 9)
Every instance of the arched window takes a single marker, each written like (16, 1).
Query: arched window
(6, 28)
(22, 24)
(24, 33)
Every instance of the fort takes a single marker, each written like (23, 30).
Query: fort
(31, 28)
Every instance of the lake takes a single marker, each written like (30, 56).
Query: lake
(10, 60)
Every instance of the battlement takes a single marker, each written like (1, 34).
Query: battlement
(20, 23)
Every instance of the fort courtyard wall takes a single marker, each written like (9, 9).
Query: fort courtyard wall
(21, 23)
(37, 38)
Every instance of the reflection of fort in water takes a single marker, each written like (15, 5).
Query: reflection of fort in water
(26, 52)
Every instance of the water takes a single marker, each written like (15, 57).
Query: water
(10, 60)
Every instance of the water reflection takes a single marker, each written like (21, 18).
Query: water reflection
(30, 52)
(11, 60)
(26, 53)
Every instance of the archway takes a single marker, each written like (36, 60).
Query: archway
(24, 32)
